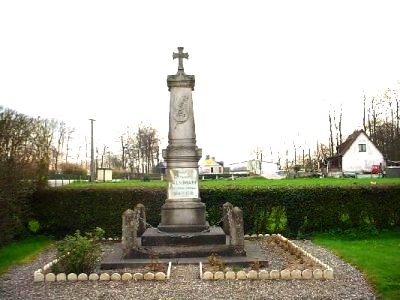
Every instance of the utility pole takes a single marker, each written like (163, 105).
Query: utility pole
(92, 166)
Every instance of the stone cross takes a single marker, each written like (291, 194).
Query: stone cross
(180, 55)
(234, 227)
(129, 232)
(227, 210)
(133, 227)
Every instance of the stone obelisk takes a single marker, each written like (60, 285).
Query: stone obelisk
(183, 210)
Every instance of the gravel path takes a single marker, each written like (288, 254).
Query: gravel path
(185, 284)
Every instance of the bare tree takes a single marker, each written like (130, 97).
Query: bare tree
(331, 135)
(335, 131)
(383, 123)
(141, 150)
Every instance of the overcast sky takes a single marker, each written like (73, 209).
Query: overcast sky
(267, 72)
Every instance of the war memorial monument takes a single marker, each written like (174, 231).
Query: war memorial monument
(183, 234)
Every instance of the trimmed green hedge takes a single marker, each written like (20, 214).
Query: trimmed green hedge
(287, 210)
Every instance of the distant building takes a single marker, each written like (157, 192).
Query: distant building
(211, 166)
(255, 167)
(104, 174)
(243, 168)
(357, 154)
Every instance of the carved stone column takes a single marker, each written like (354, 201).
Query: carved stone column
(183, 210)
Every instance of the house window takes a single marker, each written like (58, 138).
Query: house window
(212, 170)
(362, 148)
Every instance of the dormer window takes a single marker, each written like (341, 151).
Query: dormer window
(362, 148)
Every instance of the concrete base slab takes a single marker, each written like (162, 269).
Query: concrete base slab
(253, 251)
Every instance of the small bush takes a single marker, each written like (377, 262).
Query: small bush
(79, 254)
(146, 178)
(34, 225)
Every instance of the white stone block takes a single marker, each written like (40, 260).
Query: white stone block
(241, 275)
(61, 277)
(104, 277)
(115, 277)
(219, 275)
(126, 277)
(266, 235)
(253, 235)
(263, 274)
(72, 277)
(274, 274)
(295, 274)
(50, 277)
(230, 275)
(246, 236)
(38, 277)
(160, 276)
(306, 274)
(148, 276)
(138, 276)
(285, 274)
(252, 274)
(328, 274)
(317, 273)
(207, 275)
(82, 277)
(94, 277)
(260, 235)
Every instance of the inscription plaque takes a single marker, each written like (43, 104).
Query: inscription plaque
(183, 183)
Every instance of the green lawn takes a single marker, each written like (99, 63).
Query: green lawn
(254, 182)
(377, 256)
(23, 251)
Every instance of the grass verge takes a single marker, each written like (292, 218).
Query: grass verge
(376, 255)
(254, 182)
(22, 251)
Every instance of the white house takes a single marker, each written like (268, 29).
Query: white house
(357, 154)
(210, 166)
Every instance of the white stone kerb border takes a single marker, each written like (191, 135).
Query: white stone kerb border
(40, 275)
(325, 272)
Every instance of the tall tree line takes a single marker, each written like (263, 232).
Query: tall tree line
(25, 154)
(381, 120)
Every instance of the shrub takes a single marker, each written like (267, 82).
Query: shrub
(287, 210)
(146, 178)
(79, 254)
(33, 225)
(73, 169)
(62, 211)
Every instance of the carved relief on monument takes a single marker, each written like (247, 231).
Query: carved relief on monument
(182, 109)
